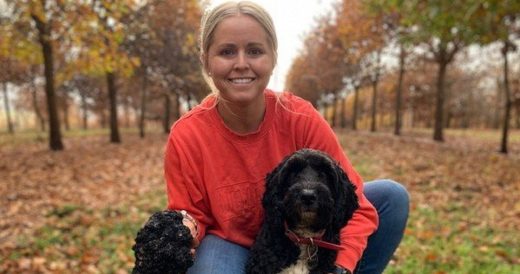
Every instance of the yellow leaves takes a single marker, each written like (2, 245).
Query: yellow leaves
(37, 10)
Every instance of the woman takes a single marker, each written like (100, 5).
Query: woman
(218, 154)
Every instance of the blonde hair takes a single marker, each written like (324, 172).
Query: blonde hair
(213, 17)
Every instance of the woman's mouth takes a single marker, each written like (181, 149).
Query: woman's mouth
(241, 81)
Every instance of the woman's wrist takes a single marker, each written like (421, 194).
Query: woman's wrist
(191, 223)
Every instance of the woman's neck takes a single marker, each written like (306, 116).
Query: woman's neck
(242, 119)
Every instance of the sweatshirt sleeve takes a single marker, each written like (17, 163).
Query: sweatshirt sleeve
(319, 135)
(183, 188)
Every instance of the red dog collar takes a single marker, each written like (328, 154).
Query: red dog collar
(310, 240)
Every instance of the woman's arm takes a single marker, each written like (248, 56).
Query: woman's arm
(184, 187)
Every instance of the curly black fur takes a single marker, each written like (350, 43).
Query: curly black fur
(335, 202)
(163, 245)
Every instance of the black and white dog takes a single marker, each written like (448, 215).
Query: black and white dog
(308, 199)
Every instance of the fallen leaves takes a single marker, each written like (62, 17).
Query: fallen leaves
(464, 198)
(77, 211)
(42, 186)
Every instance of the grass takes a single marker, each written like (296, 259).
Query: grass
(437, 242)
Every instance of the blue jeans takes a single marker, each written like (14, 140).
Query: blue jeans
(218, 256)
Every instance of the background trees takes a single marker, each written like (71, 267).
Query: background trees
(70, 46)
(431, 57)
(369, 64)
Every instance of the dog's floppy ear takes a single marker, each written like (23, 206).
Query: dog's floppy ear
(277, 184)
(270, 201)
(346, 198)
(277, 180)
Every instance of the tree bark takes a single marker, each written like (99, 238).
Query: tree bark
(167, 111)
(517, 108)
(10, 126)
(355, 108)
(112, 96)
(507, 103)
(188, 99)
(143, 105)
(39, 116)
(375, 81)
(374, 106)
(55, 141)
(399, 92)
(65, 106)
(499, 104)
(342, 117)
(84, 111)
(126, 110)
(439, 104)
(334, 107)
(177, 109)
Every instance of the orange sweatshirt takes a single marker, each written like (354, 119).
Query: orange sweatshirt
(218, 176)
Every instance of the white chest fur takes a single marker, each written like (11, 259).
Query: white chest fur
(301, 265)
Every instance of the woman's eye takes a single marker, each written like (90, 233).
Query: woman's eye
(226, 52)
(256, 51)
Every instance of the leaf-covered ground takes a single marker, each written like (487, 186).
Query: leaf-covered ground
(77, 211)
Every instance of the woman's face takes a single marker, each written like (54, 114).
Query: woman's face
(240, 60)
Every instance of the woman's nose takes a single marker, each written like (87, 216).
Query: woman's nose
(241, 61)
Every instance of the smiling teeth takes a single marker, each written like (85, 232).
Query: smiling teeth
(241, 80)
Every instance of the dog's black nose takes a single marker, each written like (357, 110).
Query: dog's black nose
(308, 197)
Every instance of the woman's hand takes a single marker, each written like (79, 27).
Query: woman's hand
(189, 222)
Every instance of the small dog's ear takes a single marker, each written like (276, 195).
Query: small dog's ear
(347, 200)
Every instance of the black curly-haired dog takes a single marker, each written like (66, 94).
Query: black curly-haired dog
(162, 245)
(308, 199)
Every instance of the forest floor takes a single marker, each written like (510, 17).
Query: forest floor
(78, 210)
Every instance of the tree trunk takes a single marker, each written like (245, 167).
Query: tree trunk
(355, 108)
(143, 105)
(112, 97)
(10, 126)
(65, 106)
(439, 107)
(517, 108)
(499, 104)
(167, 111)
(39, 116)
(374, 105)
(84, 111)
(103, 119)
(399, 92)
(55, 142)
(375, 81)
(126, 109)
(334, 107)
(177, 109)
(507, 106)
(342, 112)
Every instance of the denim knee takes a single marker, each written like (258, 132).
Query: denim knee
(387, 194)
(396, 193)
